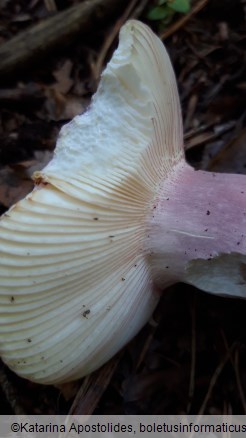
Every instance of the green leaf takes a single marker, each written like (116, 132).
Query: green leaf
(158, 13)
(179, 5)
(161, 2)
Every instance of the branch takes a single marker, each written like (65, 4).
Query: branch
(48, 34)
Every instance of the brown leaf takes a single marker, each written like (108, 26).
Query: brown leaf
(13, 187)
(60, 107)
(232, 157)
(63, 79)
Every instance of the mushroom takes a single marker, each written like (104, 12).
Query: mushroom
(115, 217)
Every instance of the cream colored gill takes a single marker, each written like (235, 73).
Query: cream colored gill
(133, 127)
(75, 285)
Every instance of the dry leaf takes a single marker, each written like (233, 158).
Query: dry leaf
(63, 79)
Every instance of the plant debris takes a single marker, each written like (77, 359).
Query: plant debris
(191, 357)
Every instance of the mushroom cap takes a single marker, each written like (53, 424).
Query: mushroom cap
(75, 281)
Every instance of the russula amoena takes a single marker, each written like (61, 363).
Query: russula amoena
(114, 218)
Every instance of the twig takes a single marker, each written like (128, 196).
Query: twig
(192, 104)
(50, 5)
(239, 384)
(235, 364)
(93, 388)
(221, 129)
(139, 8)
(183, 20)
(193, 355)
(198, 137)
(211, 386)
(55, 31)
(214, 379)
(110, 39)
(153, 326)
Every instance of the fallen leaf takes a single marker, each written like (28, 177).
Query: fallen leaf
(13, 187)
(232, 157)
(63, 79)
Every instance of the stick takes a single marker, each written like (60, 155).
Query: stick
(110, 39)
(193, 355)
(183, 20)
(214, 379)
(239, 384)
(53, 32)
(93, 388)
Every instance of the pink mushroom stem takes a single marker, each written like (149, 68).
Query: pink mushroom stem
(198, 228)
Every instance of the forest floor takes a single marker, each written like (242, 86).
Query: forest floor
(192, 359)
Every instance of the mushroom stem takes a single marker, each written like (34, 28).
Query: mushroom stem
(197, 231)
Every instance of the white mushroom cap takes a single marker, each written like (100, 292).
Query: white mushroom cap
(75, 283)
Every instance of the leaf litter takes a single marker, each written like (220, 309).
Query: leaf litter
(191, 357)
